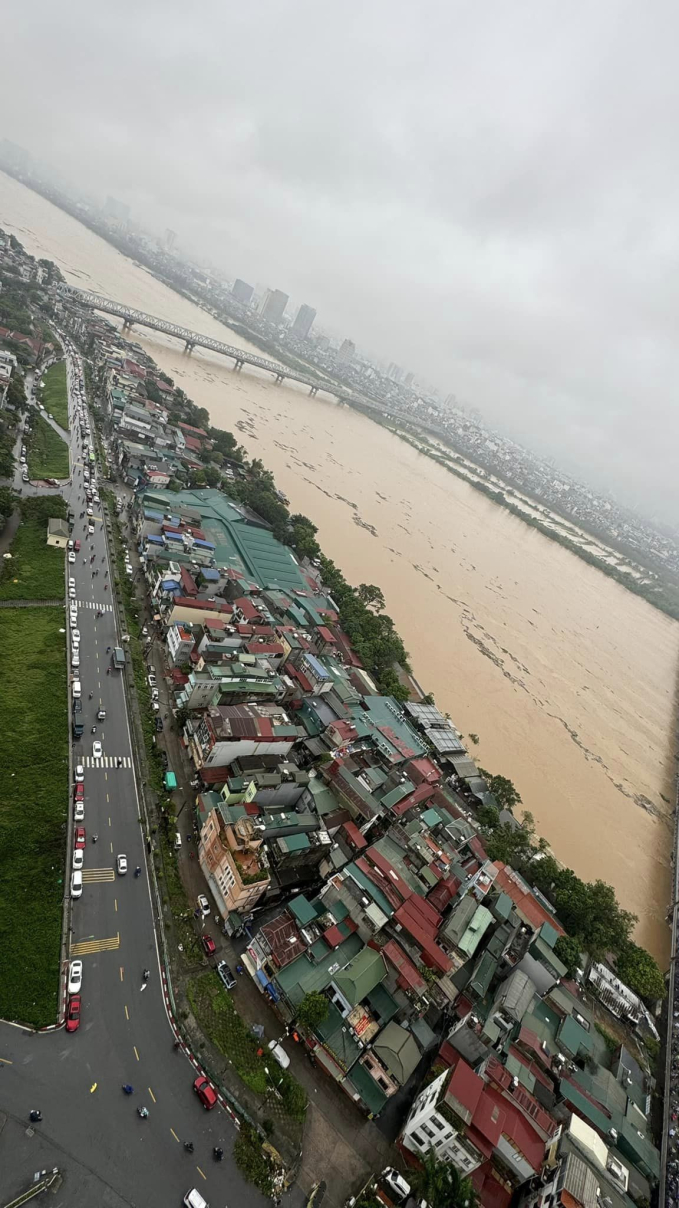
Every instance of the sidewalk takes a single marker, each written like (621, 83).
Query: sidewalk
(340, 1145)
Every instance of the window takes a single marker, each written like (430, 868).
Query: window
(437, 1122)
(428, 1132)
(419, 1140)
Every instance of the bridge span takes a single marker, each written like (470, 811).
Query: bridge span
(193, 339)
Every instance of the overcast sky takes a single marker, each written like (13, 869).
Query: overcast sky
(486, 193)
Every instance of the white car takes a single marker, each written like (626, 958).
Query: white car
(75, 638)
(90, 529)
(76, 884)
(78, 860)
(280, 1054)
(154, 694)
(75, 977)
(129, 570)
(79, 812)
(193, 1199)
(90, 512)
(79, 773)
(96, 750)
(71, 581)
(71, 593)
(396, 1183)
(73, 620)
(203, 905)
(71, 556)
(75, 660)
(122, 865)
(152, 681)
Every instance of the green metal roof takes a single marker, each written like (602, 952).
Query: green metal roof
(302, 976)
(337, 1037)
(371, 890)
(382, 1003)
(371, 1094)
(431, 818)
(549, 934)
(302, 909)
(361, 975)
(573, 1038)
(502, 906)
(397, 1048)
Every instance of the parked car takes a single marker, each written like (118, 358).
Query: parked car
(224, 972)
(159, 724)
(73, 1014)
(193, 1199)
(79, 792)
(75, 977)
(203, 905)
(279, 1053)
(205, 1092)
(164, 760)
(396, 1183)
(76, 884)
(152, 681)
(78, 860)
(77, 547)
(90, 511)
(79, 773)
(209, 945)
(79, 811)
(80, 837)
(75, 637)
(71, 556)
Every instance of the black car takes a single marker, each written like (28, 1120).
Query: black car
(159, 724)
(164, 760)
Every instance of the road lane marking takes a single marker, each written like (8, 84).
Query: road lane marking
(115, 903)
(4, 1061)
(87, 947)
(174, 1135)
(122, 973)
(93, 1088)
(151, 1094)
(127, 1013)
(98, 874)
(200, 1172)
(135, 1051)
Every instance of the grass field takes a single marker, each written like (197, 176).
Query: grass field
(54, 393)
(34, 797)
(47, 452)
(36, 569)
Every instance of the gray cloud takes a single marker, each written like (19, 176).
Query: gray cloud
(486, 193)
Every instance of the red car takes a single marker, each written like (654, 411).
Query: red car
(209, 945)
(80, 838)
(76, 546)
(205, 1092)
(73, 1014)
(79, 794)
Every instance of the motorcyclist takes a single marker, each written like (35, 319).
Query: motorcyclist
(218, 1153)
(94, 838)
(91, 695)
(35, 1115)
(188, 1146)
(137, 871)
(94, 729)
(146, 974)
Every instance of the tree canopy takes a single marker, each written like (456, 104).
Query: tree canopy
(441, 1184)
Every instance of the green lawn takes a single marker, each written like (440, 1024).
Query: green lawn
(34, 802)
(54, 393)
(47, 452)
(36, 570)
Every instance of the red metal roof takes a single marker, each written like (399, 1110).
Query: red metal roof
(443, 893)
(389, 872)
(527, 905)
(489, 1119)
(409, 977)
(188, 582)
(325, 633)
(354, 835)
(193, 444)
(491, 1193)
(423, 769)
(522, 1098)
(517, 1129)
(432, 955)
(465, 1087)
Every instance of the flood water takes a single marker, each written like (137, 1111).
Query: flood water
(568, 680)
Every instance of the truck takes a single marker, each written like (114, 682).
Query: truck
(118, 658)
(77, 725)
(170, 782)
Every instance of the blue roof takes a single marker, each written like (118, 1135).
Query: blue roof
(155, 540)
(205, 544)
(171, 533)
(171, 585)
(209, 572)
(149, 515)
(317, 666)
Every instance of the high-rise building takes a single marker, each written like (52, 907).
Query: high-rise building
(170, 237)
(273, 306)
(117, 210)
(242, 292)
(347, 351)
(303, 321)
(408, 380)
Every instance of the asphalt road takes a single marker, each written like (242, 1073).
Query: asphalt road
(90, 1129)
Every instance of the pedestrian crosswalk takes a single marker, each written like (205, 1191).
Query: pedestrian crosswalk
(98, 874)
(90, 945)
(108, 761)
(91, 604)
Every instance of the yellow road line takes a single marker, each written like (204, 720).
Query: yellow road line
(135, 1051)
(4, 1061)
(87, 947)
(174, 1134)
(122, 973)
(115, 903)
(98, 874)
(151, 1093)
(127, 1013)
(200, 1172)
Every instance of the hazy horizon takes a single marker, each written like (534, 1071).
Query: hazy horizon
(487, 196)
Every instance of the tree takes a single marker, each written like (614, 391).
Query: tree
(504, 792)
(568, 950)
(152, 391)
(312, 1010)
(638, 970)
(302, 537)
(441, 1184)
(371, 596)
(212, 476)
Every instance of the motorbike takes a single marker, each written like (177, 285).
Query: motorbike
(137, 871)
(129, 1090)
(142, 1112)
(218, 1153)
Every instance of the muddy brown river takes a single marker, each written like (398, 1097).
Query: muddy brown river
(567, 679)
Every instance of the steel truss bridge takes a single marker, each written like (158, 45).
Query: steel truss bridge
(193, 339)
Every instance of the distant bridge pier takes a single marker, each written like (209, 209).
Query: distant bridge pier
(280, 377)
(313, 391)
(189, 346)
(238, 365)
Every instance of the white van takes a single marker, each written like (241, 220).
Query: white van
(177, 841)
(76, 884)
(76, 689)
